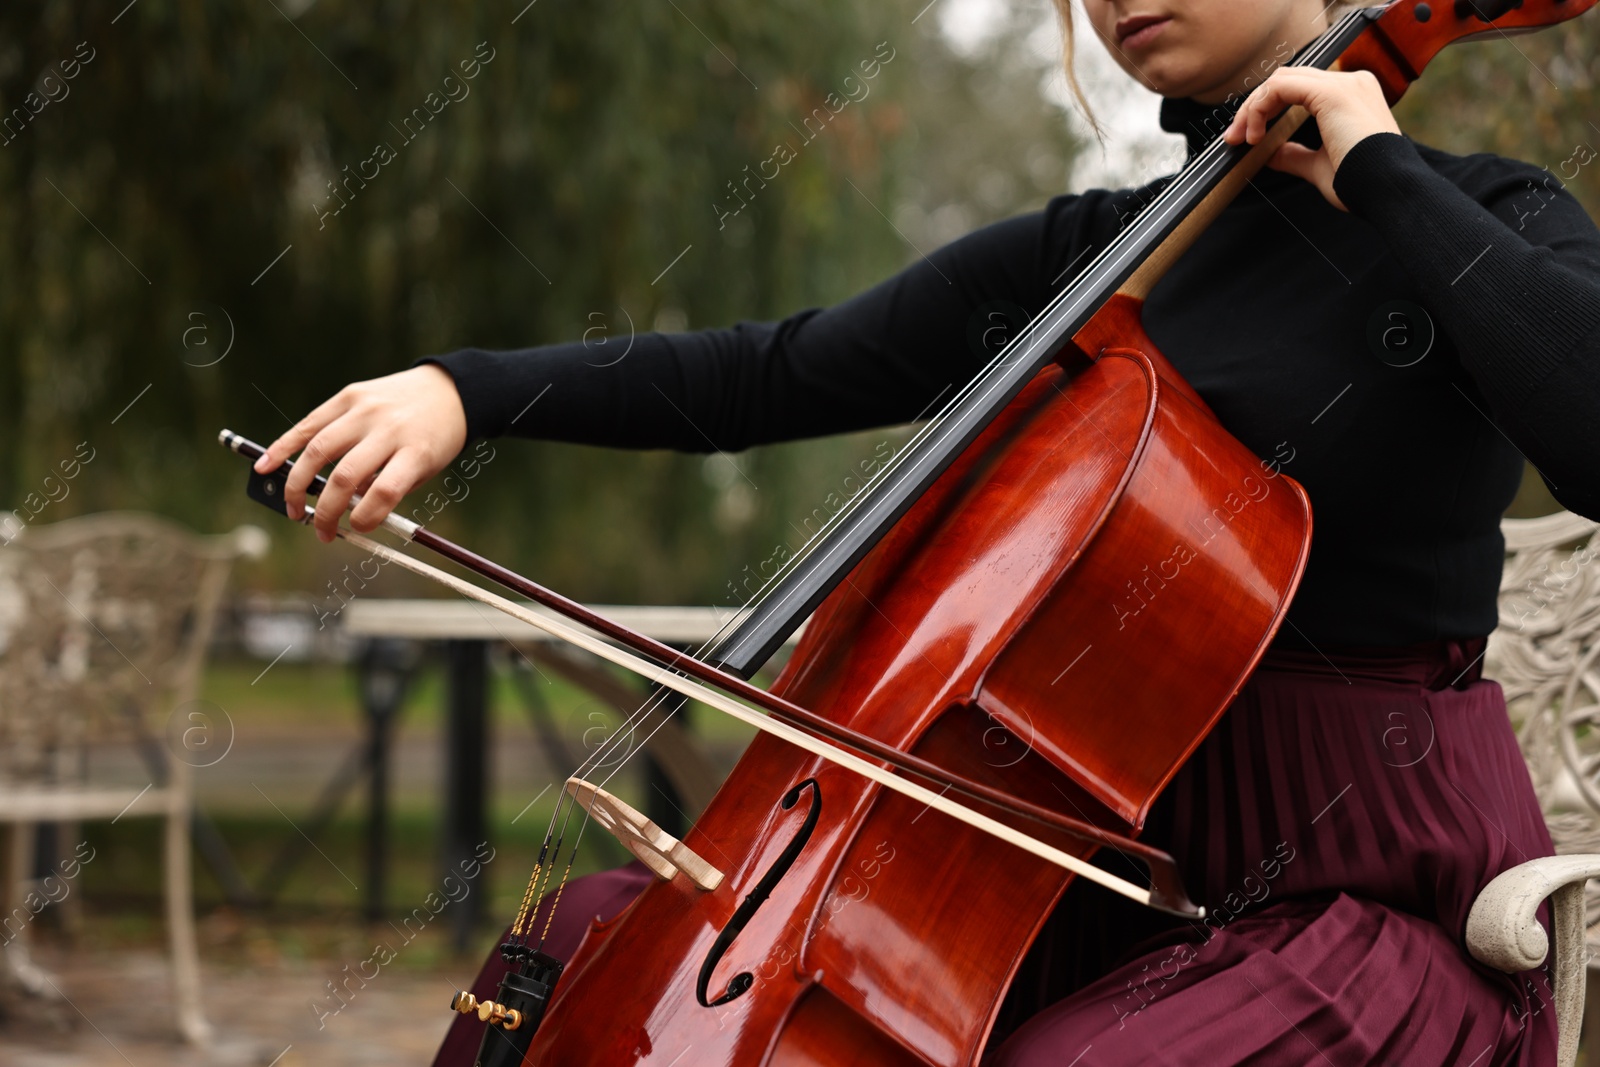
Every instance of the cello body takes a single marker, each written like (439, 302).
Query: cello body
(1065, 613)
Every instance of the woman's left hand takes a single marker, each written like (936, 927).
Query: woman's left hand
(1348, 106)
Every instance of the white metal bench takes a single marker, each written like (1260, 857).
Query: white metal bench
(1544, 655)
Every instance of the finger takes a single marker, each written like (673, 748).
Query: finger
(1273, 99)
(403, 473)
(331, 442)
(1294, 158)
(359, 465)
(1284, 88)
(301, 432)
(361, 490)
(1312, 164)
(1249, 118)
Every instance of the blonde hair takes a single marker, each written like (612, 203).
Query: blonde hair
(1335, 11)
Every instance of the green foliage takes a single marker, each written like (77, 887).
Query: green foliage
(547, 196)
(151, 195)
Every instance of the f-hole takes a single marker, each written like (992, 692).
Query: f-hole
(742, 982)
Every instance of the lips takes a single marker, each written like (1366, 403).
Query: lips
(1131, 25)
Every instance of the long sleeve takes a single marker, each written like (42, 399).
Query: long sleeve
(1509, 264)
(885, 356)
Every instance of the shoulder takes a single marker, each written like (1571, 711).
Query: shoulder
(1486, 176)
(1532, 200)
(1107, 210)
(1034, 254)
(1386, 171)
(1477, 167)
(1089, 212)
(1076, 227)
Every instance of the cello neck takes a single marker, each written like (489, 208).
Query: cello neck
(1131, 263)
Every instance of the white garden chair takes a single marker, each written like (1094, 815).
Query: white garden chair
(104, 625)
(1544, 655)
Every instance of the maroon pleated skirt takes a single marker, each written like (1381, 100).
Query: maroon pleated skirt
(1337, 825)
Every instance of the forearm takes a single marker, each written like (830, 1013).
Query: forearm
(887, 355)
(702, 391)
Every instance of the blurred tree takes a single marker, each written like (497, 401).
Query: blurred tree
(983, 144)
(172, 179)
(223, 213)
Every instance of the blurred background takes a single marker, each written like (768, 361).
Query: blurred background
(176, 260)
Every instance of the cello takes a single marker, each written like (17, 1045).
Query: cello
(1034, 568)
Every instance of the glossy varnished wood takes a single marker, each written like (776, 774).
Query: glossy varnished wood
(1400, 45)
(969, 636)
(1064, 613)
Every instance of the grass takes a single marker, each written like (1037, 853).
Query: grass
(299, 696)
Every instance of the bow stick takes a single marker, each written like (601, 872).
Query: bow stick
(663, 665)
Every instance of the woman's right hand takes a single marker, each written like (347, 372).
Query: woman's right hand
(393, 433)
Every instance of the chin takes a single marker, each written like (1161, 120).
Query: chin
(1174, 76)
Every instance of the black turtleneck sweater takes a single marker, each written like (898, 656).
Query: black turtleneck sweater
(1281, 316)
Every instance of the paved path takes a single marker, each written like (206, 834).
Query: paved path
(120, 1014)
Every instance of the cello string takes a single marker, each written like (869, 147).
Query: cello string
(1175, 189)
(536, 898)
(556, 859)
(533, 892)
(767, 723)
(866, 491)
(1173, 193)
(551, 847)
(1172, 197)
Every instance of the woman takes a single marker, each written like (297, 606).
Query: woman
(1388, 323)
